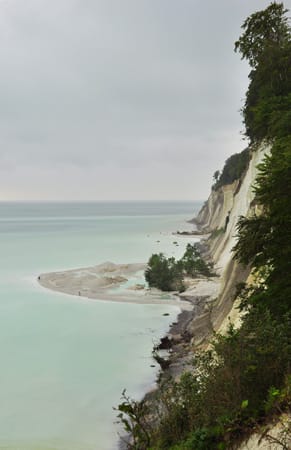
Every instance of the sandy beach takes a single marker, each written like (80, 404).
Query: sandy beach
(112, 282)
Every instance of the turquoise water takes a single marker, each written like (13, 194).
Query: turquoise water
(65, 360)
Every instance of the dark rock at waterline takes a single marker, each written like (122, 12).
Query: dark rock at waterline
(163, 362)
(190, 233)
(165, 343)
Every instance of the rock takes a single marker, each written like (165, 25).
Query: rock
(165, 343)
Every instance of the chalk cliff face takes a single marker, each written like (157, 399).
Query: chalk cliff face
(219, 216)
(232, 200)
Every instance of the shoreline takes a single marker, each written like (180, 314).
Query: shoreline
(181, 338)
(191, 327)
(119, 283)
(124, 283)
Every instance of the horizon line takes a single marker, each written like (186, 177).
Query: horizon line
(99, 201)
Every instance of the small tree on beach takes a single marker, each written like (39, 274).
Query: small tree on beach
(167, 274)
(164, 273)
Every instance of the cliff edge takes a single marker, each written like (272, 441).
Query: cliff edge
(219, 217)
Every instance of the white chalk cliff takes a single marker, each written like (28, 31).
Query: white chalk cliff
(219, 216)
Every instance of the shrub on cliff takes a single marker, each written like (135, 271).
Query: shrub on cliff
(233, 168)
(229, 392)
(193, 263)
(265, 240)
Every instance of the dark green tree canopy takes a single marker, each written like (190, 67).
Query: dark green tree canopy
(264, 241)
(263, 29)
(266, 44)
(233, 169)
(167, 274)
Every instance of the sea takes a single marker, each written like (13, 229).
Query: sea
(66, 360)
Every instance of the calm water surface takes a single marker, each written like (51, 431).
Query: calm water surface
(65, 360)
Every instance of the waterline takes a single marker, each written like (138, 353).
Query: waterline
(65, 360)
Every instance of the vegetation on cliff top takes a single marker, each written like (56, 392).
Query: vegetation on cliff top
(266, 44)
(245, 378)
(233, 169)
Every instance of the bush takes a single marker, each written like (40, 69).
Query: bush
(234, 384)
(167, 274)
(164, 273)
(201, 439)
(193, 263)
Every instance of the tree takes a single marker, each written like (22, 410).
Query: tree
(264, 241)
(164, 273)
(263, 29)
(266, 44)
(216, 175)
(192, 262)
(233, 168)
(267, 110)
(167, 274)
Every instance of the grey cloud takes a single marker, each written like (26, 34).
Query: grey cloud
(118, 92)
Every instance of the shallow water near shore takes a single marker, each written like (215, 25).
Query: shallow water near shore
(65, 360)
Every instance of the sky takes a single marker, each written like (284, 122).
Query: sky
(119, 99)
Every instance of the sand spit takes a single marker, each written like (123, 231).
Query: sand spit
(109, 281)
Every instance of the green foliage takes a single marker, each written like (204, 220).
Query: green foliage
(232, 387)
(272, 398)
(266, 44)
(164, 273)
(268, 102)
(201, 439)
(233, 168)
(253, 240)
(167, 274)
(192, 262)
(265, 241)
(263, 30)
(132, 416)
(216, 175)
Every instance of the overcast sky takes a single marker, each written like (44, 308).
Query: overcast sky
(119, 99)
